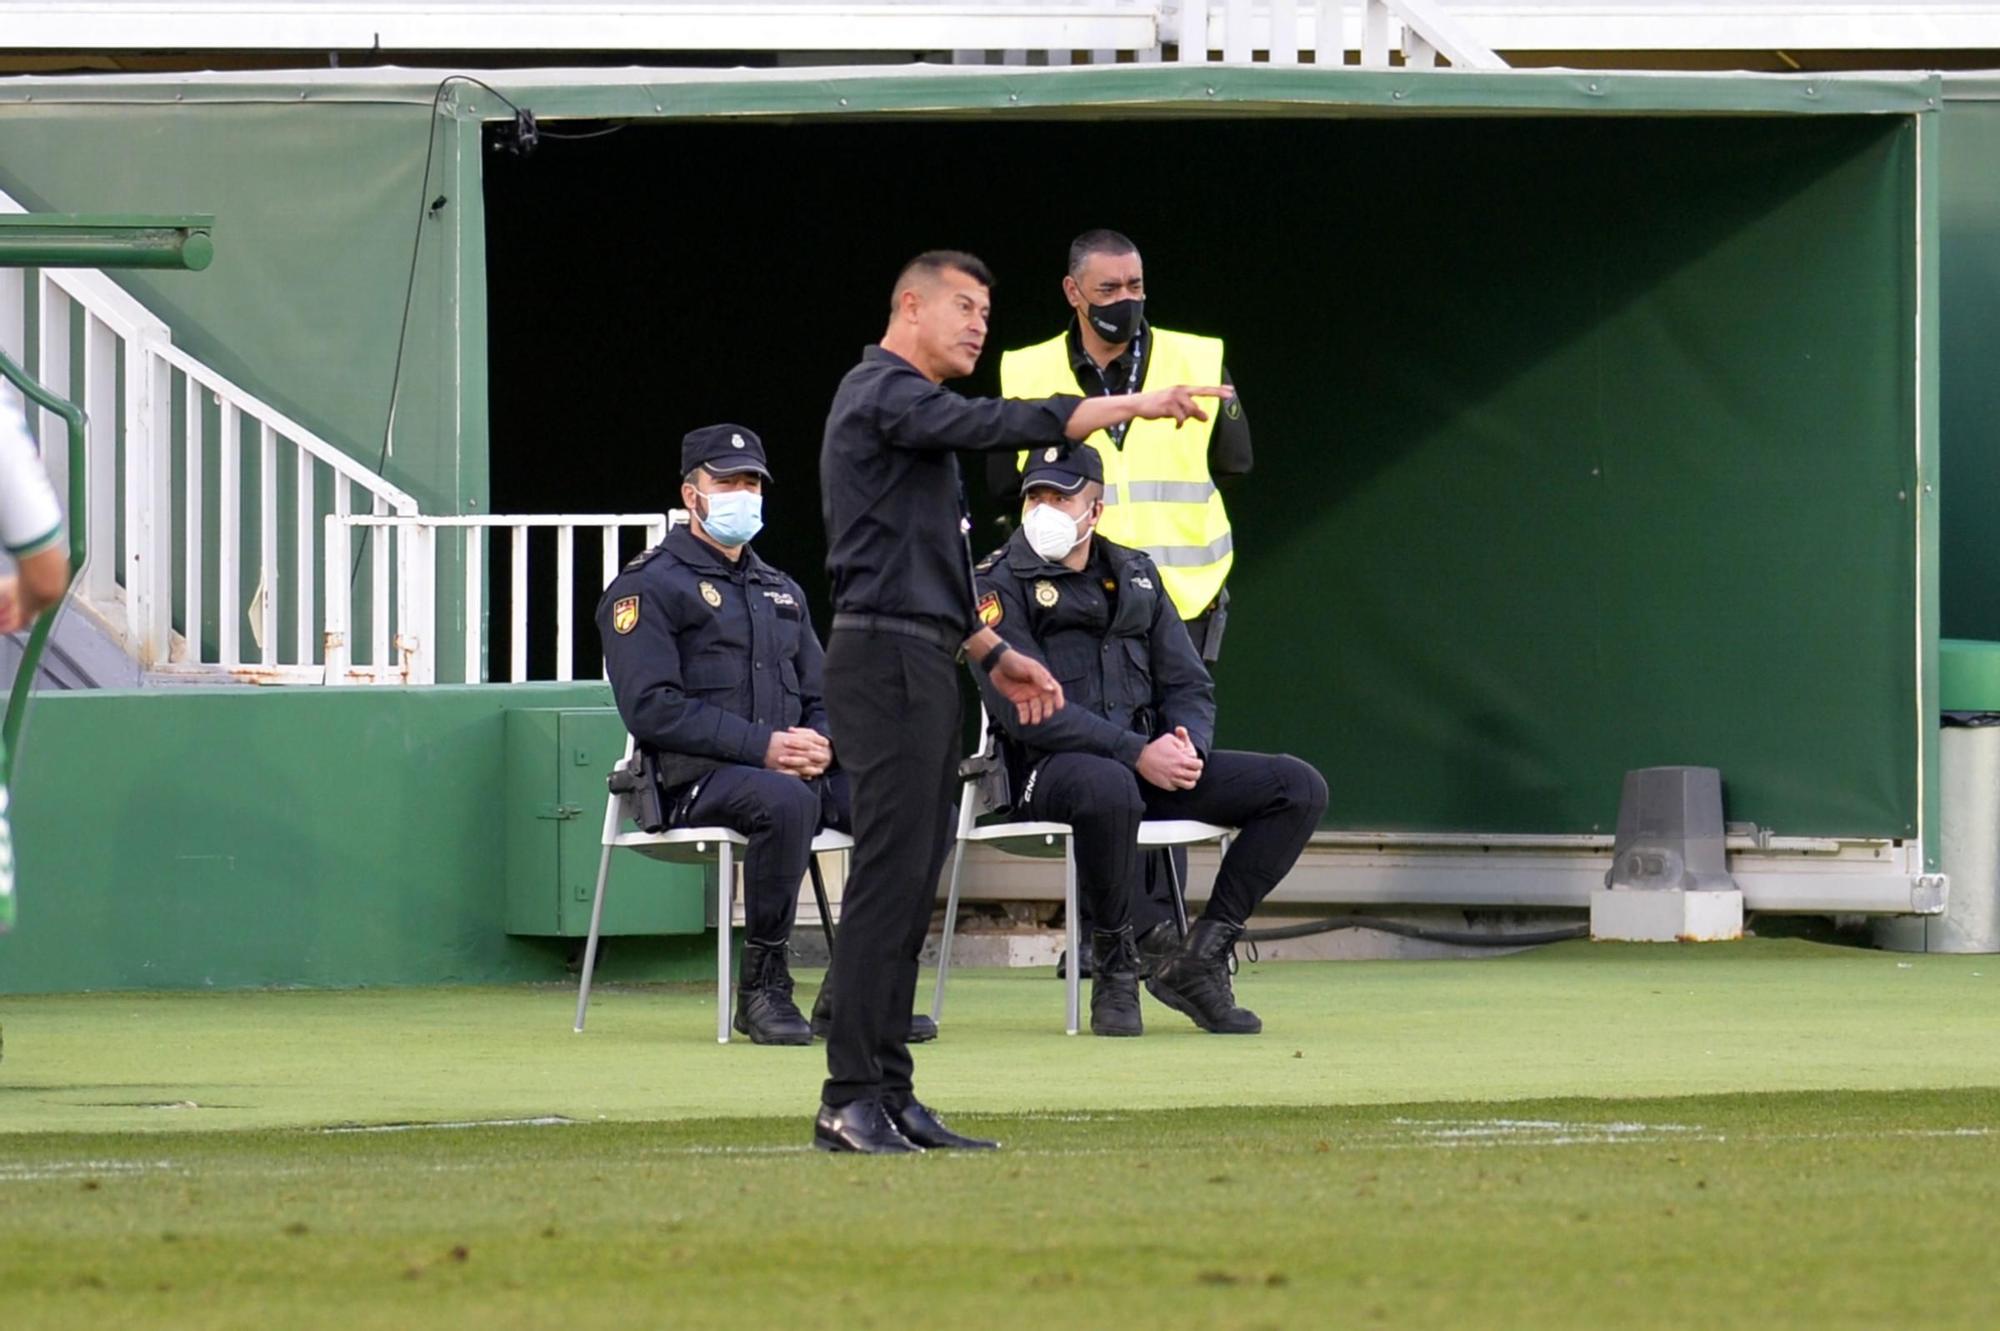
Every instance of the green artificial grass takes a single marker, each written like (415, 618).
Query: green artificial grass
(1762, 1135)
(1579, 1019)
(1821, 1210)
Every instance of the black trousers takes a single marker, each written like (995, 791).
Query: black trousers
(893, 702)
(780, 814)
(1274, 799)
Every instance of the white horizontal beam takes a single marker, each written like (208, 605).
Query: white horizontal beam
(639, 25)
(1377, 870)
(1714, 25)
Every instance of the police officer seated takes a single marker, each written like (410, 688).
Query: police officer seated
(716, 670)
(1135, 742)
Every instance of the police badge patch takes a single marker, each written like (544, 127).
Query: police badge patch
(1046, 593)
(710, 595)
(990, 609)
(625, 614)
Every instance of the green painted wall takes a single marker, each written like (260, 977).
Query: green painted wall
(317, 207)
(226, 838)
(1970, 397)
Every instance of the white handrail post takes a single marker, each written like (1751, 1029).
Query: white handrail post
(304, 531)
(1284, 46)
(1375, 34)
(475, 604)
(268, 573)
(148, 502)
(1192, 38)
(52, 367)
(1236, 38)
(565, 603)
(191, 534)
(381, 661)
(338, 603)
(416, 569)
(517, 609)
(100, 404)
(229, 533)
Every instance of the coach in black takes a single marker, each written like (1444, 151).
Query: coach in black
(903, 606)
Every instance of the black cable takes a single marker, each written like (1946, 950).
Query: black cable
(593, 134)
(1450, 937)
(426, 209)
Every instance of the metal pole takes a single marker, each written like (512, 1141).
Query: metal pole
(67, 240)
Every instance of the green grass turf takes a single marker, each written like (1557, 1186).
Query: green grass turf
(1808, 1209)
(1771, 1134)
(1579, 1019)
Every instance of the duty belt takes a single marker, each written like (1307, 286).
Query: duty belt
(909, 628)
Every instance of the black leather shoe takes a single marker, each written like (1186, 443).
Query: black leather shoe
(927, 1130)
(861, 1127)
(922, 1029)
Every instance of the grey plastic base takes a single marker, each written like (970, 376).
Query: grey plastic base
(1968, 850)
(1623, 915)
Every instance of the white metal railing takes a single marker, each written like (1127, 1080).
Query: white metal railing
(194, 483)
(406, 638)
(1286, 32)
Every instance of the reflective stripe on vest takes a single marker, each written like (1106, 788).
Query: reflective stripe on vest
(1158, 495)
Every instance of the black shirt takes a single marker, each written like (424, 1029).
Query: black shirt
(890, 487)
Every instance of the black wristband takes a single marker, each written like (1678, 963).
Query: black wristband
(992, 658)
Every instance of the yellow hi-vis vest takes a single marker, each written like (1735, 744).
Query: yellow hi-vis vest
(1158, 495)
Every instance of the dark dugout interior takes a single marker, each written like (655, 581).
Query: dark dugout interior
(1579, 440)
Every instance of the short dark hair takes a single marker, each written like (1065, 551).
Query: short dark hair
(932, 262)
(1101, 241)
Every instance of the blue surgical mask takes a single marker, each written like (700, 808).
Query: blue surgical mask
(734, 517)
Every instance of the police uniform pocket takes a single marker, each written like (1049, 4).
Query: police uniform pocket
(1069, 661)
(713, 676)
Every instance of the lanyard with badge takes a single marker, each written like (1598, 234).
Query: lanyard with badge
(1117, 432)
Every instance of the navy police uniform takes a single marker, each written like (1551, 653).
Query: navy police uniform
(708, 657)
(1130, 673)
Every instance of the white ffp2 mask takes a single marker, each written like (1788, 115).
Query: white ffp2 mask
(1051, 532)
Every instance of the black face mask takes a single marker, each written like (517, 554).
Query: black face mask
(1118, 321)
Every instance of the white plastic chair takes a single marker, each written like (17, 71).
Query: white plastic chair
(1038, 839)
(691, 845)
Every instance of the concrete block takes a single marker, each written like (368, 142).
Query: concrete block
(1640, 916)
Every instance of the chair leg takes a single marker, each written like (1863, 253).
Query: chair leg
(590, 943)
(725, 891)
(819, 895)
(950, 924)
(1073, 973)
(1177, 891)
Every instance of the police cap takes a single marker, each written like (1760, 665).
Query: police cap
(724, 450)
(1062, 469)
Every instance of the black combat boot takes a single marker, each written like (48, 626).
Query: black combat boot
(922, 1028)
(1156, 945)
(1114, 985)
(764, 1008)
(1195, 981)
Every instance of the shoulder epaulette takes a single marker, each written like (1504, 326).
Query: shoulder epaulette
(641, 559)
